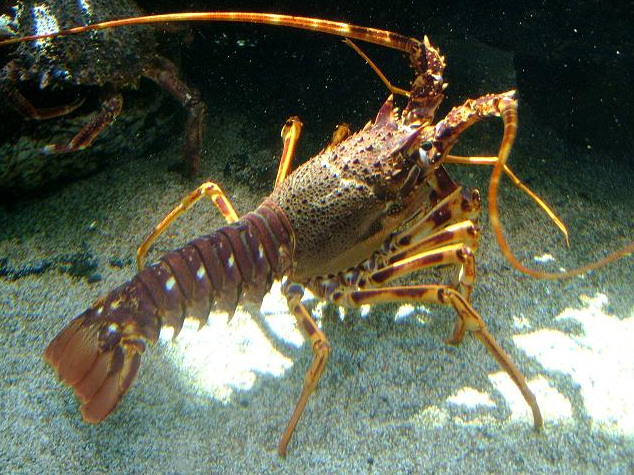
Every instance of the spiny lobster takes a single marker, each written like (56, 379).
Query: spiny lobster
(371, 207)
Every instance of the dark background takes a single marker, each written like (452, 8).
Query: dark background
(571, 61)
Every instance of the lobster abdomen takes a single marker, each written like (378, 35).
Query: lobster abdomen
(98, 354)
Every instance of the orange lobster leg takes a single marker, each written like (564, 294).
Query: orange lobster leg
(459, 253)
(463, 232)
(210, 190)
(419, 247)
(321, 349)
(341, 133)
(109, 111)
(290, 136)
(468, 320)
(460, 205)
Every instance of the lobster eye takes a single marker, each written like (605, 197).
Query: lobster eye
(422, 156)
(423, 153)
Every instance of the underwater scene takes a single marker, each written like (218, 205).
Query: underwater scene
(348, 238)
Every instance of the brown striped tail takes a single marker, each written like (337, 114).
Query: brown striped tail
(98, 354)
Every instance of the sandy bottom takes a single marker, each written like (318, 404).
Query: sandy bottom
(394, 398)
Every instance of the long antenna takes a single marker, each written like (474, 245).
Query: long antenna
(371, 35)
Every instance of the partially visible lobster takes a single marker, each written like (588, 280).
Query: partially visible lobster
(111, 62)
(372, 207)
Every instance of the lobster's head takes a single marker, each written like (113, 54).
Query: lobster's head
(400, 183)
(345, 202)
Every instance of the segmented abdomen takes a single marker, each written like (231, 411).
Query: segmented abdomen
(237, 262)
(98, 353)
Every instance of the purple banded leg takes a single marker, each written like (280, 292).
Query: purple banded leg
(9, 75)
(445, 235)
(468, 320)
(210, 190)
(290, 136)
(432, 240)
(109, 111)
(321, 350)
(453, 254)
(422, 232)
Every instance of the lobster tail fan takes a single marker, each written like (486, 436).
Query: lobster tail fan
(101, 391)
(97, 360)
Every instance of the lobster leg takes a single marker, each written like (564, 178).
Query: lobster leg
(460, 254)
(8, 77)
(165, 74)
(468, 320)
(110, 109)
(341, 133)
(459, 205)
(430, 241)
(29, 111)
(210, 190)
(290, 136)
(453, 244)
(516, 181)
(321, 349)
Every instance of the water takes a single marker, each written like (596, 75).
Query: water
(394, 397)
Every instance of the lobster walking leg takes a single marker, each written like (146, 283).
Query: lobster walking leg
(321, 349)
(419, 247)
(516, 181)
(290, 136)
(165, 74)
(341, 133)
(210, 190)
(29, 111)
(468, 320)
(459, 254)
(464, 232)
(109, 111)
(460, 205)
(9, 76)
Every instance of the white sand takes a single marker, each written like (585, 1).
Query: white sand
(394, 398)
